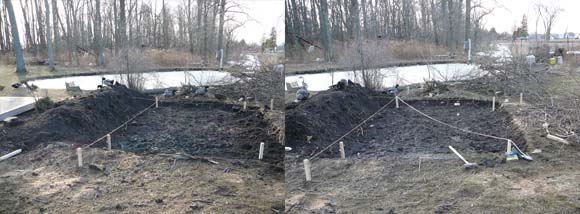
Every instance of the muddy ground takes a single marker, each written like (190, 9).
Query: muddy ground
(415, 173)
(187, 156)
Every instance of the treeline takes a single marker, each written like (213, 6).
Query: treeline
(446, 23)
(76, 27)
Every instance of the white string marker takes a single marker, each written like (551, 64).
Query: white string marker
(109, 142)
(271, 104)
(493, 104)
(261, 155)
(307, 170)
(342, 154)
(245, 105)
(80, 156)
(156, 102)
(397, 101)
(521, 98)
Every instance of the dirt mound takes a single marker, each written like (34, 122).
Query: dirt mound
(404, 131)
(79, 121)
(327, 116)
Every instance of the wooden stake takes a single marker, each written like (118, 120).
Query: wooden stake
(342, 154)
(156, 102)
(521, 98)
(271, 104)
(509, 147)
(109, 142)
(397, 101)
(245, 105)
(261, 155)
(80, 156)
(493, 104)
(307, 170)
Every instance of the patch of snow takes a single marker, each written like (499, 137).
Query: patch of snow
(399, 75)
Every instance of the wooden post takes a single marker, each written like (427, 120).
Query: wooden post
(509, 146)
(521, 98)
(245, 105)
(397, 101)
(493, 104)
(156, 102)
(80, 156)
(342, 154)
(271, 104)
(261, 155)
(307, 170)
(109, 142)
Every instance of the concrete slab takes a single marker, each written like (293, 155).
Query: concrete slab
(12, 106)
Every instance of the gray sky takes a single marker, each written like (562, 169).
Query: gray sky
(267, 14)
(264, 14)
(511, 11)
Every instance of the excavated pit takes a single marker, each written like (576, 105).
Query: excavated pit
(330, 114)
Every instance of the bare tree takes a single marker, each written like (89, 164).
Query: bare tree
(549, 13)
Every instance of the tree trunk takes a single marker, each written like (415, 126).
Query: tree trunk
(467, 19)
(48, 37)
(20, 68)
(55, 25)
(325, 33)
(99, 55)
(221, 28)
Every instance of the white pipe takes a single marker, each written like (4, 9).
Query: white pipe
(457, 153)
(9, 155)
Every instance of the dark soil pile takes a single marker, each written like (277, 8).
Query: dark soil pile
(327, 116)
(76, 121)
(403, 130)
(203, 129)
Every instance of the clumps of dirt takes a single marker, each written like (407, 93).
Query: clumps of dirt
(404, 130)
(78, 121)
(201, 129)
(327, 115)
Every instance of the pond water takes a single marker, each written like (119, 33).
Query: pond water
(152, 80)
(404, 75)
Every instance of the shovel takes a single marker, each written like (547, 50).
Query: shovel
(467, 165)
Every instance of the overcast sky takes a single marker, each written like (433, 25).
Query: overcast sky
(267, 14)
(264, 14)
(510, 12)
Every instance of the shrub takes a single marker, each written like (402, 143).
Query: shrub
(43, 104)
